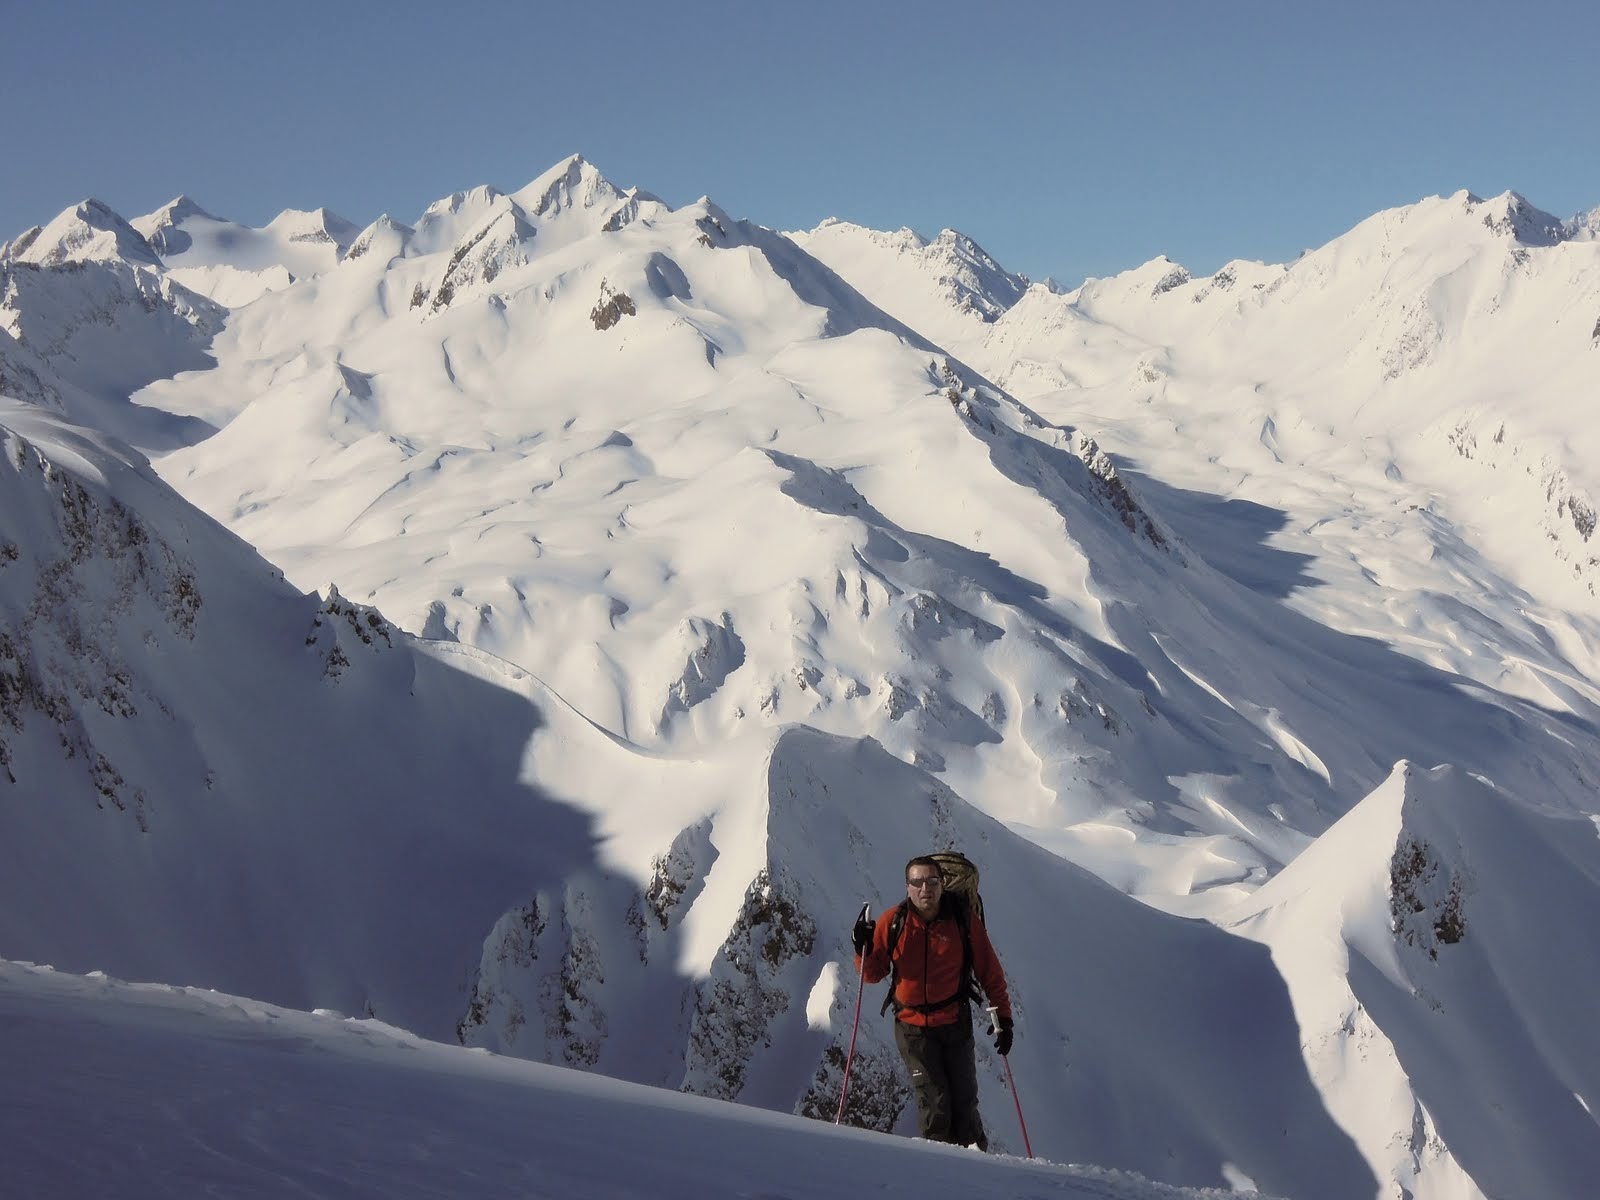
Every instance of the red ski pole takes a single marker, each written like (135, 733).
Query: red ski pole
(1027, 1145)
(994, 1021)
(844, 1088)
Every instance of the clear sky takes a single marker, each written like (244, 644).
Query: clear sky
(1069, 138)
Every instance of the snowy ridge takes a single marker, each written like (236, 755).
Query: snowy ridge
(943, 287)
(1420, 899)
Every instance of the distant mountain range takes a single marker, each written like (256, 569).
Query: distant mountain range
(545, 623)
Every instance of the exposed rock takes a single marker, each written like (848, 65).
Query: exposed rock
(613, 306)
(736, 1007)
(1425, 898)
(677, 876)
(1078, 703)
(496, 245)
(339, 621)
(64, 610)
(1174, 278)
(575, 1020)
(878, 1094)
(1114, 491)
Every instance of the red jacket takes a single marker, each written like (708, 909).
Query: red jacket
(928, 961)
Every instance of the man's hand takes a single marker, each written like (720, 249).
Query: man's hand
(861, 935)
(1002, 1035)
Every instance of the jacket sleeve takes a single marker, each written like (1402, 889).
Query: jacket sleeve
(986, 965)
(875, 964)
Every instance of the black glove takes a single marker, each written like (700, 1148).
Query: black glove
(861, 935)
(1002, 1036)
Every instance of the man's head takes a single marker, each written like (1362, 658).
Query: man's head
(924, 886)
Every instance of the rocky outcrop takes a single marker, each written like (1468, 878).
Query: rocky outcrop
(1114, 492)
(496, 245)
(1426, 898)
(543, 972)
(736, 1007)
(613, 306)
(340, 623)
(66, 605)
(1510, 215)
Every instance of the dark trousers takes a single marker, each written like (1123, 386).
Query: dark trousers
(944, 1078)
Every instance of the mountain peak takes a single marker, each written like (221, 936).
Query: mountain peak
(572, 183)
(163, 227)
(481, 196)
(316, 225)
(1510, 214)
(178, 209)
(89, 231)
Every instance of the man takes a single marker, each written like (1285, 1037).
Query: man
(932, 999)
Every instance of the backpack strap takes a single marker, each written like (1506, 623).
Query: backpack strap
(896, 928)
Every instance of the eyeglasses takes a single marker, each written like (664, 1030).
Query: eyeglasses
(926, 881)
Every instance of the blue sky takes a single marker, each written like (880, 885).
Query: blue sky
(1070, 139)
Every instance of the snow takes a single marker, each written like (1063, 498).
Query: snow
(676, 580)
(189, 1090)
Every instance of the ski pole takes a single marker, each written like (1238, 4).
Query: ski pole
(994, 1020)
(844, 1087)
(1027, 1145)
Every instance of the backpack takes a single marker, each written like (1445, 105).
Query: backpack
(960, 875)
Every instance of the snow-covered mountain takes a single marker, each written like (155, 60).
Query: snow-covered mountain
(945, 287)
(741, 573)
(234, 264)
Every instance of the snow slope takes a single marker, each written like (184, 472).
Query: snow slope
(188, 1091)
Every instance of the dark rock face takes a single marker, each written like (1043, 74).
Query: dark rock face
(612, 308)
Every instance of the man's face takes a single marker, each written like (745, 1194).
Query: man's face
(924, 886)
